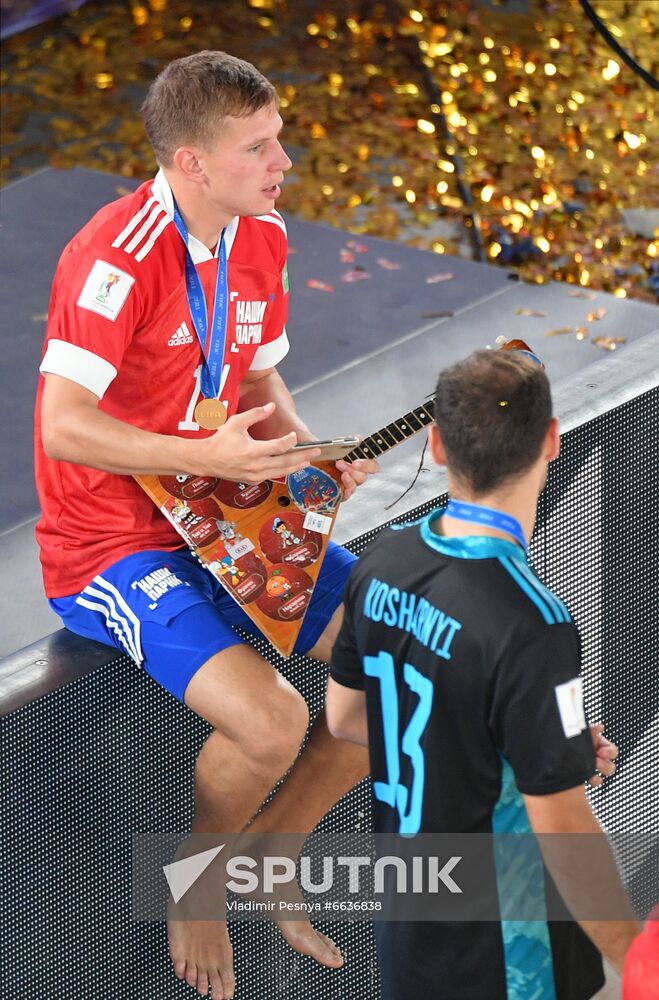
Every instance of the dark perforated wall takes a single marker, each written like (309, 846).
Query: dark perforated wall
(112, 754)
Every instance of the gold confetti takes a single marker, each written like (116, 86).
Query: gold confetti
(356, 246)
(358, 274)
(595, 315)
(558, 331)
(530, 312)
(582, 333)
(551, 153)
(611, 70)
(103, 80)
(608, 343)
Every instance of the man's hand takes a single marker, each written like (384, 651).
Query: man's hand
(606, 755)
(231, 453)
(353, 474)
(584, 869)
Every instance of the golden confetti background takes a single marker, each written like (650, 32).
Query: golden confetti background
(550, 135)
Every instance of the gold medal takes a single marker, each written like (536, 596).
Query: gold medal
(210, 414)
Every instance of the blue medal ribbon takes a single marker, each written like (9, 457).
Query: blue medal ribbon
(463, 511)
(212, 341)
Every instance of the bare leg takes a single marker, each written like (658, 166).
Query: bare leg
(263, 723)
(321, 775)
(260, 722)
(326, 770)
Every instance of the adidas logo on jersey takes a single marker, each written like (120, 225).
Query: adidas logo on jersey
(182, 336)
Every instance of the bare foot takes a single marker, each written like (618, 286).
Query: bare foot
(298, 933)
(202, 955)
(305, 939)
(199, 943)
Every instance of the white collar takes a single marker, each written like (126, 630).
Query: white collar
(199, 252)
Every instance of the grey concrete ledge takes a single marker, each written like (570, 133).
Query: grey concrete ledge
(578, 399)
(48, 664)
(603, 387)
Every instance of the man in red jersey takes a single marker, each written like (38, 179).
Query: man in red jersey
(168, 315)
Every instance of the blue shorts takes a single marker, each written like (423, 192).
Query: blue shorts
(192, 618)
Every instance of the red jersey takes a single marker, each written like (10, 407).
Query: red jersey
(119, 324)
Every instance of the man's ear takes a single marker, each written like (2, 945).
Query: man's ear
(186, 160)
(436, 444)
(552, 445)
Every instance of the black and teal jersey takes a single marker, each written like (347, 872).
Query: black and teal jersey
(470, 667)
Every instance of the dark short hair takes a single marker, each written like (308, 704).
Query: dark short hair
(188, 101)
(493, 410)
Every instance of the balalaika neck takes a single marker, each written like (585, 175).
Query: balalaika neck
(395, 433)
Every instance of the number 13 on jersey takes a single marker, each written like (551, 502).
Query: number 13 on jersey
(408, 801)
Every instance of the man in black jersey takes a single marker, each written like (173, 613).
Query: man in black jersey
(454, 665)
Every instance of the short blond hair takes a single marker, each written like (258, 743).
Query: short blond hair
(188, 101)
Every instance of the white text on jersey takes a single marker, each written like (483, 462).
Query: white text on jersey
(157, 583)
(249, 321)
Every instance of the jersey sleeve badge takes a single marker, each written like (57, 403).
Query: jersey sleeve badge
(105, 290)
(570, 706)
